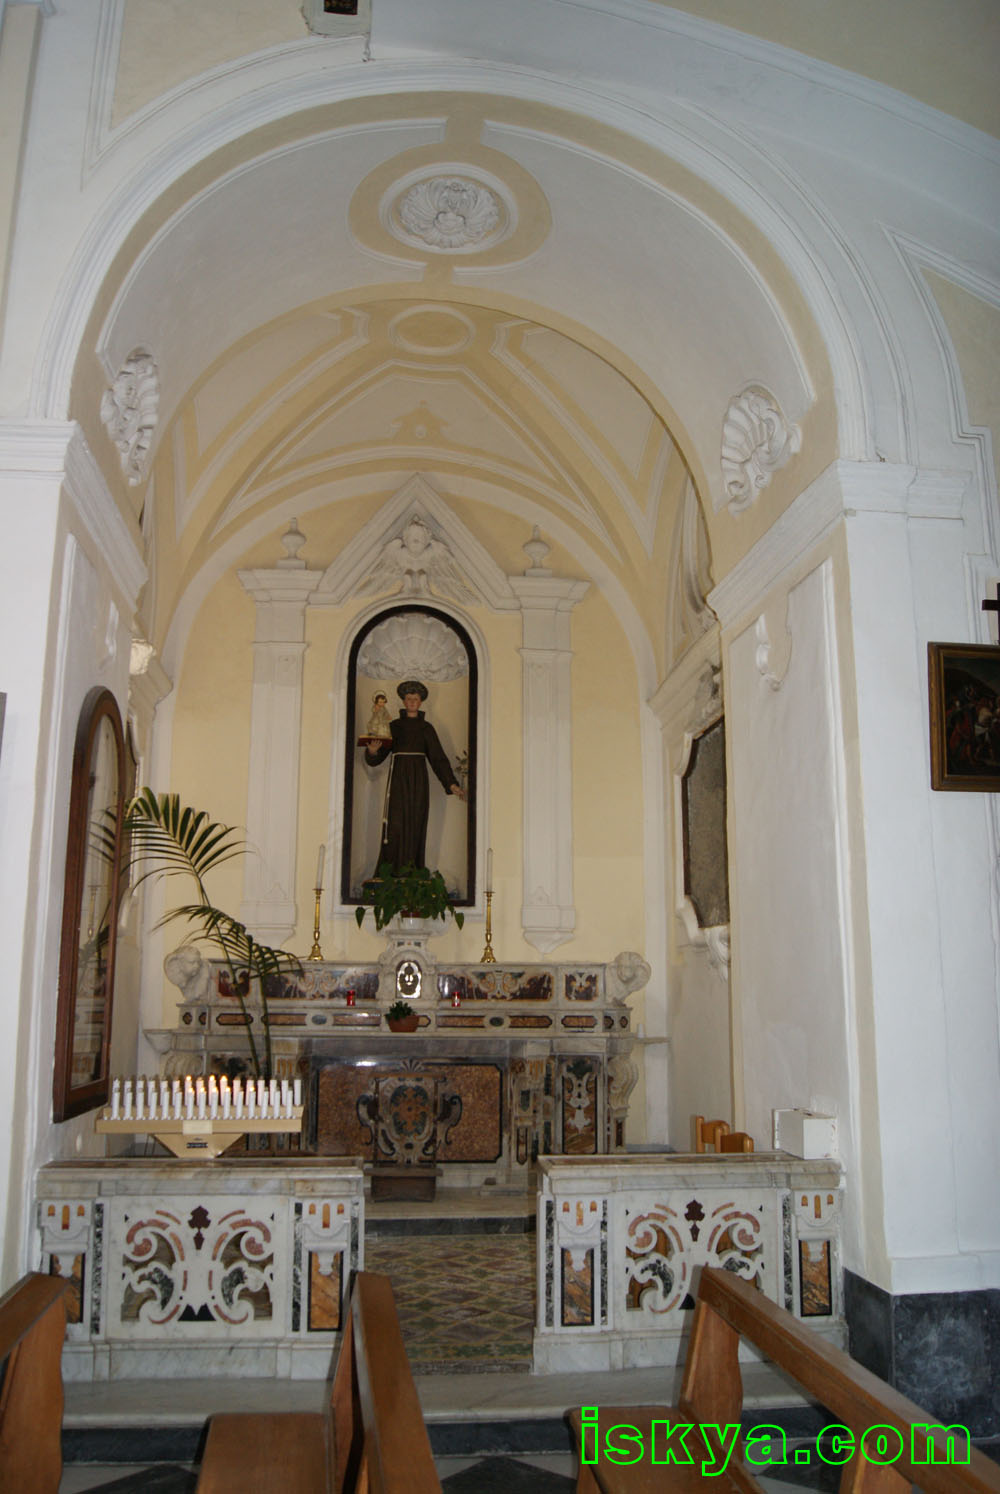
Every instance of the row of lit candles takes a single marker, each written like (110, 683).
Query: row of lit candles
(195, 1098)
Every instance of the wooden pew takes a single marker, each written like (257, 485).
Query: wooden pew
(370, 1440)
(727, 1309)
(32, 1329)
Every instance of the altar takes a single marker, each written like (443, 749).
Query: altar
(524, 1061)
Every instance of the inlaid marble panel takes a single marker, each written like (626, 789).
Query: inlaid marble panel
(577, 1288)
(579, 1107)
(326, 1290)
(346, 1091)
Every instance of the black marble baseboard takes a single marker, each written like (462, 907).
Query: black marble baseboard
(942, 1349)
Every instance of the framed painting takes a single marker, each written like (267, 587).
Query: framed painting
(964, 681)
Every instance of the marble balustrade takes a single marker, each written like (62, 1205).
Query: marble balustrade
(620, 1241)
(239, 1267)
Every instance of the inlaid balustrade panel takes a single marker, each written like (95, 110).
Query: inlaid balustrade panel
(241, 1264)
(620, 1242)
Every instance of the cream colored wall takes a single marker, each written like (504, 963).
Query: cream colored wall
(19, 28)
(166, 42)
(974, 328)
(943, 52)
(211, 726)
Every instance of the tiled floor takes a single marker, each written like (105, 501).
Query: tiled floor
(462, 1309)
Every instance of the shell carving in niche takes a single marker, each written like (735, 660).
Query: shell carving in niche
(756, 441)
(413, 644)
(129, 411)
(449, 212)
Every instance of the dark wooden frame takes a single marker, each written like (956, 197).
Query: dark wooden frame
(350, 750)
(947, 664)
(69, 1100)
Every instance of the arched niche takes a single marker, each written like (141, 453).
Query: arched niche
(412, 640)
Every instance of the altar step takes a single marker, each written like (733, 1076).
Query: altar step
(119, 1424)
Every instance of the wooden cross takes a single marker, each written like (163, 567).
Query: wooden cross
(992, 604)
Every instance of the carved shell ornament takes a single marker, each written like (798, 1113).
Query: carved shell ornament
(413, 644)
(130, 410)
(757, 440)
(450, 212)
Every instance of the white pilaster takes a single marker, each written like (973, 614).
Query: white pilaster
(280, 595)
(548, 916)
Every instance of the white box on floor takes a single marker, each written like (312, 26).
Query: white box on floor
(804, 1133)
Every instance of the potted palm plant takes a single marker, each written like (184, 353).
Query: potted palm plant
(411, 892)
(169, 839)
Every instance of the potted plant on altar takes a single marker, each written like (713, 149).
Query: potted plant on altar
(411, 892)
(401, 1017)
(169, 839)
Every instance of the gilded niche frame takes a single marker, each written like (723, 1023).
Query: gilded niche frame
(90, 909)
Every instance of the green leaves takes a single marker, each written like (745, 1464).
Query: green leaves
(179, 840)
(170, 839)
(412, 892)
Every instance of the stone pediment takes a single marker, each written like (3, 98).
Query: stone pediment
(416, 547)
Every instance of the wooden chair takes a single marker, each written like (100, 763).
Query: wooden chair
(708, 1133)
(370, 1440)
(32, 1329)
(727, 1309)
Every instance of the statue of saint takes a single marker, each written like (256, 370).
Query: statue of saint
(413, 744)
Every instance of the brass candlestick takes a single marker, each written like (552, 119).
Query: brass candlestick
(489, 958)
(316, 953)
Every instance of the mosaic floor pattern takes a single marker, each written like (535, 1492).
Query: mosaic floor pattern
(465, 1302)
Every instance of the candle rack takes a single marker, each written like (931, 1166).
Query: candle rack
(198, 1139)
(198, 1119)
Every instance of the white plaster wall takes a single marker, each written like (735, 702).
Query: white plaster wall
(698, 1013)
(31, 521)
(65, 608)
(932, 897)
(791, 975)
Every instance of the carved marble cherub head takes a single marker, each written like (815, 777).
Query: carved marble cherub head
(187, 967)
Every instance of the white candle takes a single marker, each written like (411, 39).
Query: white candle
(297, 1091)
(175, 1095)
(319, 868)
(272, 1096)
(238, 1099)
(261, 1095)
(489, 870)
(201, 1097)
(251, 1098)
(116, 1098)
(225, 1097)
(286, 1098)
(188, 1099)
(127, 1100)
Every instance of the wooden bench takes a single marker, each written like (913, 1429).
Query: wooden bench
(727, 1309)
(32, 1329)
(370, 1440)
